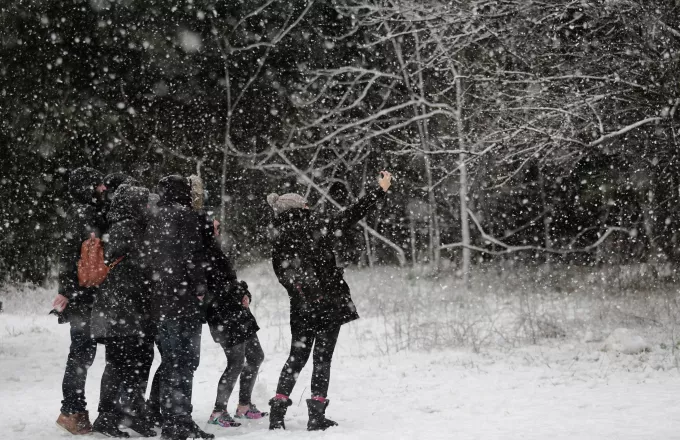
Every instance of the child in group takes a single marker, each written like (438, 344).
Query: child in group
(232, 325)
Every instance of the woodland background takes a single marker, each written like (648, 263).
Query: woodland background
(519, 131)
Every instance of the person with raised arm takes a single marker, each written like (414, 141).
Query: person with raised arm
(320, 302)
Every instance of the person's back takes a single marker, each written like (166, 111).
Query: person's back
(177, 262)
(304, 261)
(120, 314)
(123, 303)
(176, 253)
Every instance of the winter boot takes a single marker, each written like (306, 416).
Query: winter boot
(249, 411)
(223, 419)
(317, 415)
(183, 428)
(278, 412)
(76, 424)
(107, 424)
(197, 432)
(174, 433)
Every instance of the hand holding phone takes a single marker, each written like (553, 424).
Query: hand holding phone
(385, 180)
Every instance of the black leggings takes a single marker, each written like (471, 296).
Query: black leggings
(243, 359)
(123, 375)
(300, 349)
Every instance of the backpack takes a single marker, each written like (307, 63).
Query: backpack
(92, 270)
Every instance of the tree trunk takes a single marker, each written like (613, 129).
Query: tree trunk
(547, 219)
(463, 193)
(412, 230)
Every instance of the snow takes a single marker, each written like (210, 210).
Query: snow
(559, 388)
(190, 41)
(626, 341)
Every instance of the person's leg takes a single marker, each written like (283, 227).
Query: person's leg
(146, 355)
(180, 342)
(254, 356)
(111, 383)
(235, 361)
(74, 416)
(300, 349)
(134, 353)
(81, 355)
(323, 355)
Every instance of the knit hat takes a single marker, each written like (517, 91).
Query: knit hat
(285, 202)
(174, 189)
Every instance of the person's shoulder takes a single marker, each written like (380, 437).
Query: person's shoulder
(125, 227)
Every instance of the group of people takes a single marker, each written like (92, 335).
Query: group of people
(167, 275)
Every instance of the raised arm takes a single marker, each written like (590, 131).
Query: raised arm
(350, 216)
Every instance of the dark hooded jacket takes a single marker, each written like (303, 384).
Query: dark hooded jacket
(176, 253)
(230, 323)
(112, 182)
(84, 216)
(121, 307)
(304, 262)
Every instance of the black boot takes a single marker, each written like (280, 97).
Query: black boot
(278, 413)
(107, 424)
(317, 416)
(197, 432)
(182, 428)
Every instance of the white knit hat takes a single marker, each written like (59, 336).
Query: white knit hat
(285, 202)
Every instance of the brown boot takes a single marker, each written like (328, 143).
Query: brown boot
(76, 424)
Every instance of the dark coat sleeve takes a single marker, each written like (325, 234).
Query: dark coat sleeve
(192, 246)
(118, 243)
(352, 215)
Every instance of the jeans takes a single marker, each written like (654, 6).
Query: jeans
(243, 359)
(180, 345)
(301, 347)
(80, 357)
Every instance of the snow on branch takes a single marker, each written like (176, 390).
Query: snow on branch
(507, 249)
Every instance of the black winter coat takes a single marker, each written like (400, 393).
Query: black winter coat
(176, 253)
(304, 262)
(121, 307)
(230, 323)
(84, 217)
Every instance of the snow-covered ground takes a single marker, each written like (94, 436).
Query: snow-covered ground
(503, 380)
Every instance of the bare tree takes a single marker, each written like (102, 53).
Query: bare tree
(232, 43)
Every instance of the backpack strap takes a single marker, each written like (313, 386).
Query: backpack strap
(116, 263)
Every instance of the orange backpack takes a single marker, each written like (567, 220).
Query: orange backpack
(92, 270)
